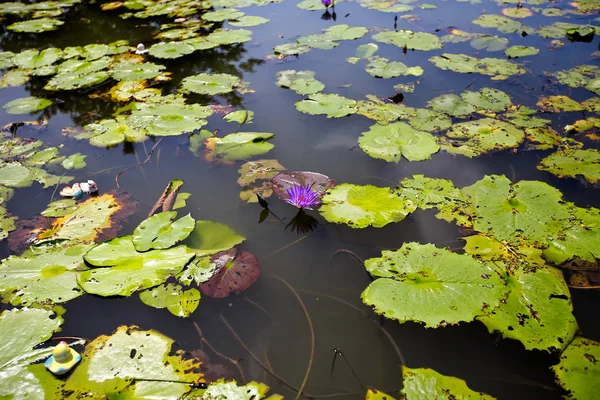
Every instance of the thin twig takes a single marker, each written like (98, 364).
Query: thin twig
(138, 164)
(356, 257)
(312, 334)
(56, 187)
(285, 247)
(260, 308)
(223, 356)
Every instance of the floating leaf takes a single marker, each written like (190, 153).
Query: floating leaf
(521, 51)
(170, 296)
(60, 208)
(26, 105)
(452, 105)
(253, 171)
(487, 99)
(249, 20)
(497, 68)
(489, 43)
(290, 49)
(222, 15)
(390, 142)
(74, 161)
(365, 51)
(500, 22)
(573, 163)
(234, 273)
(374, 394)
(133, 72)
(36, 25)
(229, 36)
(302, 82)
(317, 182)
(210, 83)
(423, 283)
(362, 206)
(171, 49)
(129, 270)
(578, 370)
(15, 77)
(212, 237)
(75, 74)
(161, 231)
(110, 132)
(33, 59)
(429, 120)
(240, 116)
(332, 105)
(477, 137)
(345, 32)
(409, 39)
(517, 12)
(558, 104)
(238, 146)
(230, 390)
(167, 119)
(579, 241)
(380, 68)
(425, 383)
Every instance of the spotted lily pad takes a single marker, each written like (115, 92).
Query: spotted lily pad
(26, 105)
(578, 370)
(210, 83)
(391, 142)
(409, 39)
(171, 49)
(500, 22)
(425, 383)
(238, 146)
(234, 273)
(210, 237)
(132, 72)
(452, 105)
(423, 283)
(168, 119)
(332, 105)
(222, 15)
(382, 68)
(252, 171)
(487, 99)
(240, 116)
(172, 297)
(573, 163)
(363, 206)
(302, 82)
(60, 208)
(36, 25)
(161, 231)
(76, 73)
(559, 104)
(477, 137)
(521, 51)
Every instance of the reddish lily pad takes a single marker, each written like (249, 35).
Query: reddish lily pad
(318, 182)
(235, 273)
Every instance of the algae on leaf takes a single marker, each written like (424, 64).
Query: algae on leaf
(573, 163)
(391, 142)
(423, 283)
(425, 383)
(363, 206)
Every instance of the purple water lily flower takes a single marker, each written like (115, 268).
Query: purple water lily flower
(302, 197)
(326, 3)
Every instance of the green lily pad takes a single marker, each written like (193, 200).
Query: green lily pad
(386, 6)
(230, 390)
(200, 270)
(110, 132)
(578, 370)
(211, 83)
(230, 36)
(390, 142)
(345, 32)
(558, 104)
(26, 328)
(130, 271)
(14, 174)
(452, 105)
(487, 99)
(332, 105)
(74, 161)
(537, 310)
(132, 72)
(423, 283)
(378, 110)
(489, 43)
(302, 82)
(322, 42)
(36, 25)
(7, 59)
(26, 105)
(374, 394)
(573, 163)
(363, 206)
(365, 51)
(311, 5)
(210, 237)
(44, 275)
(425, 383)
(580, 240)
(528, 209)
(290, 49)
(222, 15)
(32, 59)
(249, 20)
(171, 49)
(60, 208)
(15, 77)
(170, 296)
(521, 51)
(429, 120)
(500, 22)
(161, 231)
(238, 146)
(167, 119)
(240, 116)
(497, 68)
(75, 74)
(481, 136)
(409, 39)
(381, 68)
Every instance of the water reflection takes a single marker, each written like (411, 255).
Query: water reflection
(302, 223)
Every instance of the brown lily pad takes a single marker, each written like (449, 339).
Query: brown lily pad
(235, 273)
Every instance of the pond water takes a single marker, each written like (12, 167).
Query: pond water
(268, 317)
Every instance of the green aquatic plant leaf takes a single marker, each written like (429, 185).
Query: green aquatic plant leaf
(332, 105)
(36, 25)
(76, 73)
(129, 270)
(210, 83)
(172, 297)
(133, 72)
(161, 231)
(481, 136)
(489, 43)
(60, 208)
(345, 32)
(253, 171)
(382, 68)
(423, 283)
(452, 105)
(379, 110)
(558, 104)
(365, 51)
(33, 59)
(238, 146)
(167, 119)
(229, 36)
(487, 99)
(222, 15)
(363, 206)
(234, 273)
(26, 105)
(374, 394)
(15, 174)
(25, 329)
(409, 39)
(391, 142)
(44, 275)
(537, 310)
(311, 5)
(171, 50)
(110, 132)
(240, 116)
(573, 163)
(580, 241)
(429, 120)
(521, 51)
(386, 6)
(222, 389)
(425, 383)
(7, 59)
(249, 20)
(290, 49)
(15, 77)
(302, 82)
(497, 68)
(531, 210)
(500, 22)
(210, 237)
(200, 270)
(74, 161)
(578, 371)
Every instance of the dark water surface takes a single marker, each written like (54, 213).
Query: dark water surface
(268, 316)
